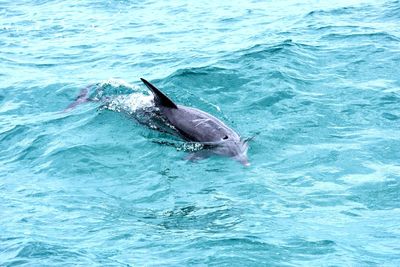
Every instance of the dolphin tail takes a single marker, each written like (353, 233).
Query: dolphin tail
(159, 98)
(83, 97)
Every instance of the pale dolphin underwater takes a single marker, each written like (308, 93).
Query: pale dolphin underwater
(198, 126)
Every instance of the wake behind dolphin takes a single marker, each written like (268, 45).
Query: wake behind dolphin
(160, 113)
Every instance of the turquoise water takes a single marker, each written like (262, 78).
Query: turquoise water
(317, 84)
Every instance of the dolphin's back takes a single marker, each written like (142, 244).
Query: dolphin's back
(199, 126)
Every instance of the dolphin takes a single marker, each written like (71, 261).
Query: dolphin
(197, 126)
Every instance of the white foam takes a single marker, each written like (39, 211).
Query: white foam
(137, 101)
(119, 82)
(130, 103)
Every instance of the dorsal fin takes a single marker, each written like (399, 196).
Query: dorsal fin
(159, 97)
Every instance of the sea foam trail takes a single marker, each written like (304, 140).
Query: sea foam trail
(114, 94)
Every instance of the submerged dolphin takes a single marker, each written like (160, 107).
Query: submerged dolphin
(198, 126)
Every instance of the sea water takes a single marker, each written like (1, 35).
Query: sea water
(316, 84)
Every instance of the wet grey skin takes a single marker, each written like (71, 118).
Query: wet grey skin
(195, 125)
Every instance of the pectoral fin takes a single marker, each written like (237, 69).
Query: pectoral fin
(198, 155)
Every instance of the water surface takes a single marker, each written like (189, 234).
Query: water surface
(317, 84)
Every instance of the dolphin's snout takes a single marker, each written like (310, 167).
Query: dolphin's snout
(243, 159)
(245, 163)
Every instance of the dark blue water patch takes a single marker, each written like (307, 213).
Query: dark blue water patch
(13, 135)
(390, 116)
(231, 20)
(391, 99)
(270, 100)
(378, 195)
(212, 220)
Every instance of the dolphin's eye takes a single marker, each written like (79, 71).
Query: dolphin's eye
(225, 137)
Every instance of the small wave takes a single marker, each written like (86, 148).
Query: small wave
(342, 28)
(195, 71)
(336, 11)
(374, 36)
(274, 47)
(13, 134)
(41, 249)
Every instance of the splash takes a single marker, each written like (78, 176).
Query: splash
(120, 96)
(131, 103)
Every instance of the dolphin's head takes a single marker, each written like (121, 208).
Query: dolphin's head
(235, 148)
